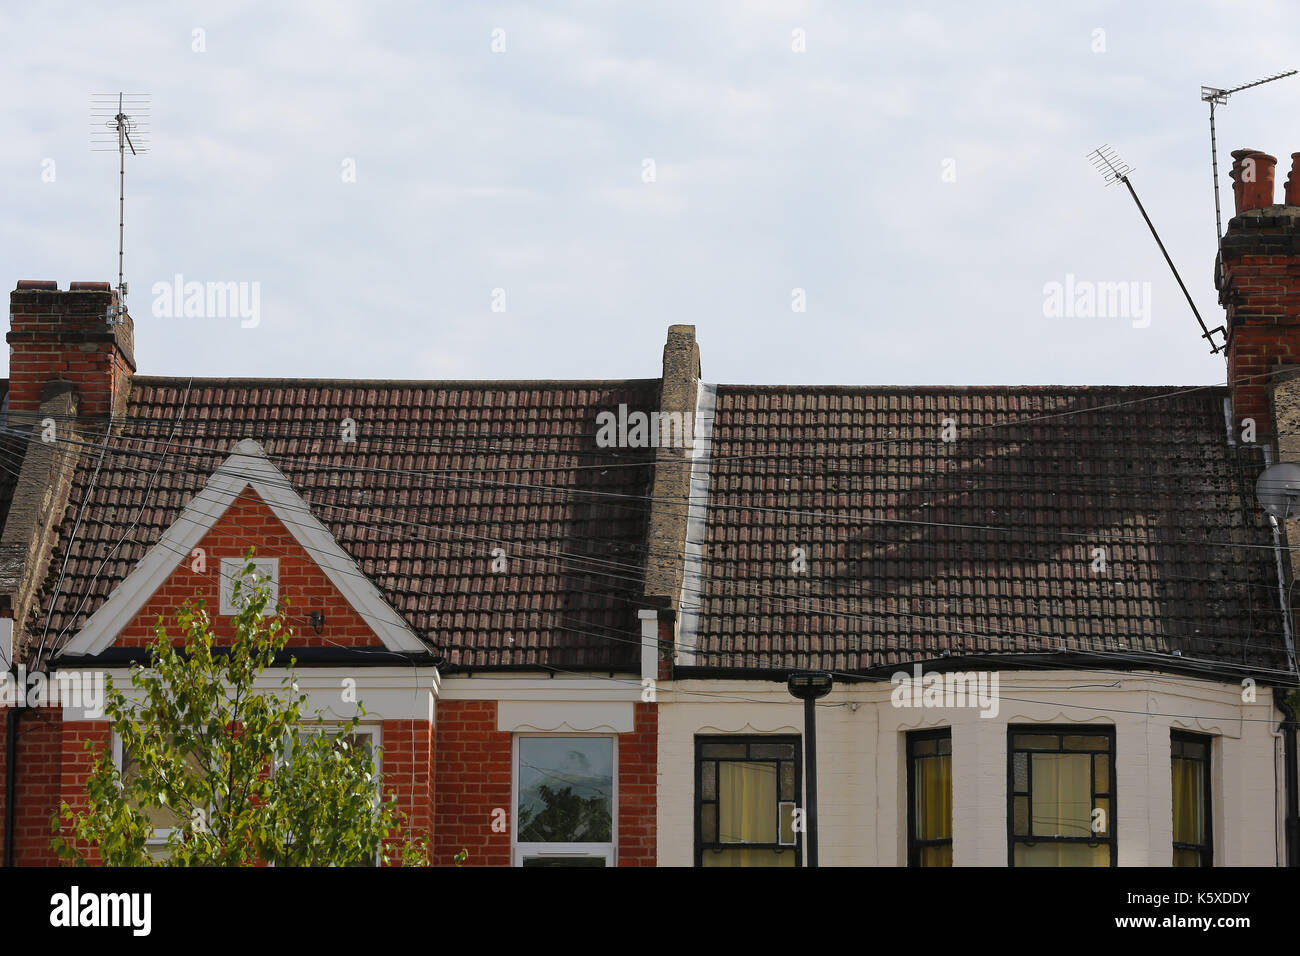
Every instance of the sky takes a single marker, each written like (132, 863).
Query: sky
(854, 193)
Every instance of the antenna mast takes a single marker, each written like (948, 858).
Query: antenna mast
(1217, 97)
(122, 125)
(1115, 170)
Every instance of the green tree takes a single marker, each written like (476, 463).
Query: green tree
(238, 775)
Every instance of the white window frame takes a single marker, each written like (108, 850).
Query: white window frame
(161, 835)
(268, 568)
(374, 730)
(560, 850)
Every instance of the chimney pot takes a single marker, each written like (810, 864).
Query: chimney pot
(44, 285)
(89, 287)
(1292, 194)
(1252, 179)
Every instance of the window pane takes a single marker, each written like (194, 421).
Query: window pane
(749, 857)
(1101, 770)
(1020, 772)
(1103, 819)
(1062, 854)
(1187, 857)
(921, 748)
(1192, 748)
(1034, 742)
(787, 824)
(724, 750)
(945, 745)
(1085, 743)
(709, 823)
(708, 780)
(772, 751)
(933, 790)
(787, 781)
(1062, 795)
(159, 817)
(1189, 801)
(747, 802)
(1021, 816)
(566, 787)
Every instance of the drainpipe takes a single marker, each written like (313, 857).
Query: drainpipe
(1292, 824)
(1288, 726)
(11, 779)
(1283, 591)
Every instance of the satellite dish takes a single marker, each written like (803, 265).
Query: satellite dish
(1278, 489)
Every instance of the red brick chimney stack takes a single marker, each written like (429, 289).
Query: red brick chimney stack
(1260, 287)
(57, 336)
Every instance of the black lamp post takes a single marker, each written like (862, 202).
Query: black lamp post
(807, 686)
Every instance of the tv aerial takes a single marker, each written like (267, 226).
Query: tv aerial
(120, 122)
(1217, 97)
(1115, 170)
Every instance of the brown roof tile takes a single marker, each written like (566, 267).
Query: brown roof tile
(916, 547)
(440, 474)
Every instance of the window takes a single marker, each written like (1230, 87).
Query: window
(163, 819)
(565, 800)
(929, 798)
(1061, 796)
(1191, 771)
(747, 792)
(264, 569)
(365, 737)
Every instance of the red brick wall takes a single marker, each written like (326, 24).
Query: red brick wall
(638, 777)
(250, 521)
(40, 756)
(78, 761)
(407, 769)
(473, 778)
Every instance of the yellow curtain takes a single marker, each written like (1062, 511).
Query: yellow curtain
(745, 857)
(1189, 804)
(1062, 854)
(934, 798)
(747, 802)
(1062, 795)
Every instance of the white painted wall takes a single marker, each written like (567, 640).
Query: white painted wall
(862, 781)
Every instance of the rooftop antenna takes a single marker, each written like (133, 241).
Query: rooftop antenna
(1216, 97)
(120, 122)
(1115, 170)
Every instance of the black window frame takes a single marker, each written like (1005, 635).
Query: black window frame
(701, 741)
(914, 846)
(1207, 741)
(1062, 730)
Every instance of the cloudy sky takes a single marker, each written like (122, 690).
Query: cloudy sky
(382, 169)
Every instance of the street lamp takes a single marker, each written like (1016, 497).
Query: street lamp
(807, 686)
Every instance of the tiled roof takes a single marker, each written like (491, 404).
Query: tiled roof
(440, 474)
(984, 545)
